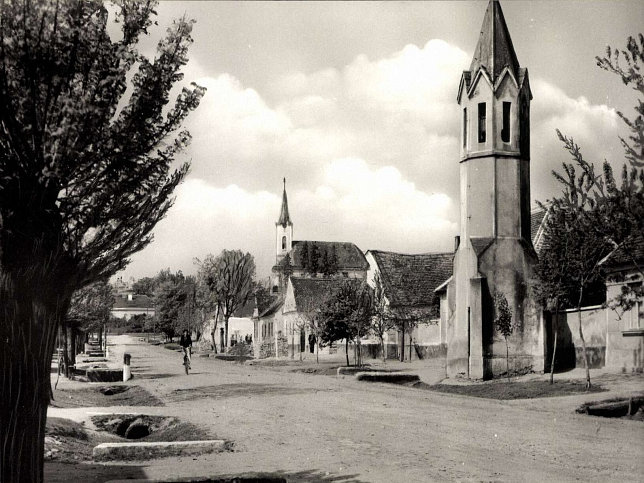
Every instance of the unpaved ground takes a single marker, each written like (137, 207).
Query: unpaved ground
(311, 427)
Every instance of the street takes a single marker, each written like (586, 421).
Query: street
(324, 427)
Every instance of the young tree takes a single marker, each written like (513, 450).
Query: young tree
(551, 286)
(85, 175)
(405, 319)
(205, 299)
(383, 320)
(503, 323)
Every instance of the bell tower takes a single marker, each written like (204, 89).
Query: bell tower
(283, 230)
(495, 253)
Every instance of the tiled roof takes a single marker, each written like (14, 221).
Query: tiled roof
(137, 302)
(272, 308)
(627, 253)
(349, 256)
(410, 280)
(310, 292)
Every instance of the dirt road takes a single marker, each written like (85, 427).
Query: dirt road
(327, 428)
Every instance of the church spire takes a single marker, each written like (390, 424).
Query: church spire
(494, 50)
(284, 218)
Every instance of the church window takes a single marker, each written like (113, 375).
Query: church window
(465, 127)
(482, 120)
(505, 129)
(283, 243)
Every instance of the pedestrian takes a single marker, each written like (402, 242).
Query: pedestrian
(186, 345)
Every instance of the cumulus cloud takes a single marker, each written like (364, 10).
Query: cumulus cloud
(370, 152)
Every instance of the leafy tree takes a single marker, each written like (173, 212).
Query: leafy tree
(348, 314)
(333, 260)
(383, 320)
(503, 323)
(170, 297)
(144, 286)
(85, 175)
(231, 281)
(324, 264)
(205, 299)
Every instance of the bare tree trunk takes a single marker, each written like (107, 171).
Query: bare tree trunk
(507, 359)
(402, 343)
(410, 346)
(292, 342)
(67, 360)
(554, 348)
(226, 330)
(346, 350)
(583, 341)
(28, 323)
(317, 350)
(382, 345)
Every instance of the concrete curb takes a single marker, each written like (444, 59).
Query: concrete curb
(143, 451)
(394, 377)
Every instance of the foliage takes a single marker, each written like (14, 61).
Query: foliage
(87, 140)
(313, 263)
(91, 306)
(304, 254)
(631, 74)
(170, 296)
(144, 286)
(347, 314)
(502, 315)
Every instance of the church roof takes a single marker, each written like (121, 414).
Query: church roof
(494, 50)
(284, 218)
(410, 280)
(349, 256)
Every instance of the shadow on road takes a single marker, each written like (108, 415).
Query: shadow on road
(274, 477)
(56, 472)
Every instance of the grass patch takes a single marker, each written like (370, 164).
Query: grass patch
(504, 390)
(104, 396)
(65, 428)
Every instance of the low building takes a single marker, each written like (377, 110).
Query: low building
(127, 305)
(409, 282)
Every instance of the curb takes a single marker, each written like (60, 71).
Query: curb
(161, 449)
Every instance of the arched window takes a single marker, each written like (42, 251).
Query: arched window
(283, 243)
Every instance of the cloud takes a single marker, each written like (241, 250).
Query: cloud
(370, 152)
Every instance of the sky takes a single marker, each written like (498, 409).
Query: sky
(354, 103)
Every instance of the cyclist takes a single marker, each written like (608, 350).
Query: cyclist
(186, 345)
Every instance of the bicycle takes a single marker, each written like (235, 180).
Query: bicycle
(186, 359)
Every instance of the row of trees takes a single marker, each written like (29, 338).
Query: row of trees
(597, 215)
(317, 260)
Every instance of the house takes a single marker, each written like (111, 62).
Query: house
(127, 305)
(409, 283)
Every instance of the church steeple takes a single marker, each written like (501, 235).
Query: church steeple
(494, 50)
(284, 219)
(283, 230)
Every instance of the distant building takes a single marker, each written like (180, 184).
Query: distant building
(127, 305)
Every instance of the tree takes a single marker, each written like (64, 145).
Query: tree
(206, 300)
(89, 309)
(550, 287)
(85, 175)
(304, 255)
(313, 264)
(144, 286)
(585, 248)
(170, 299)
(383, 320)
(347, 315)
(503, 323)
(231, 282)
